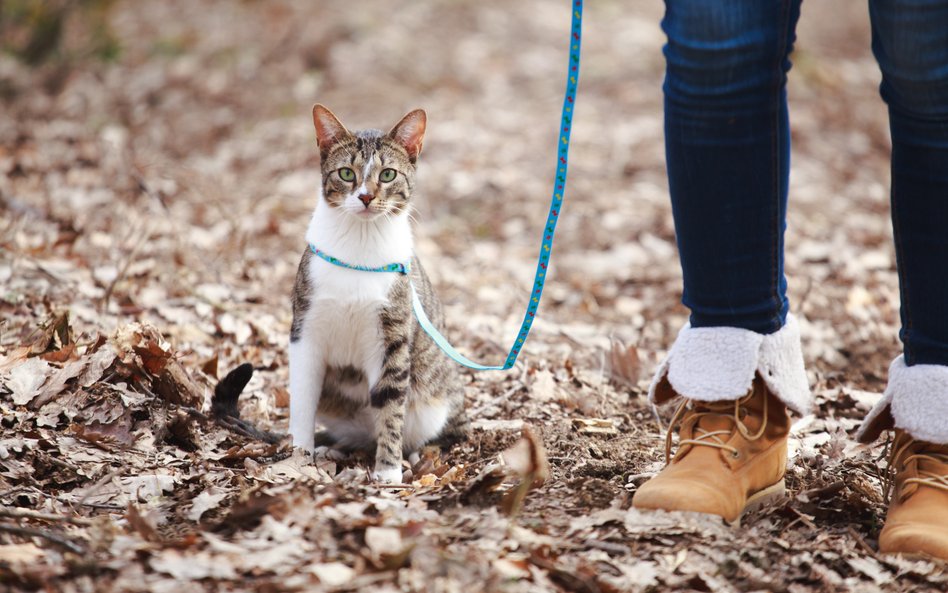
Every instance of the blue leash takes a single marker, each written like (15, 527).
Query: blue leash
(546, 246)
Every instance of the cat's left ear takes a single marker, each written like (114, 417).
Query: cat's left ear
(410, 133)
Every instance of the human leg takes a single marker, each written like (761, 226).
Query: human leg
(910, 42)
(738, 363)
(727, 145)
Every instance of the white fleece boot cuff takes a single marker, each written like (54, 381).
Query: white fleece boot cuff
(917, 399)
(719, 363)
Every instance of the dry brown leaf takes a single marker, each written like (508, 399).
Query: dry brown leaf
(543, 387)
(387, 548)
(209, 366)
(624, 363)
(117, 432)
(21, 553)
(595, 426)
(67, 352)
(332, 574)
(527, 458)
(206, 501)
(281, 396)
(53, 335)
(142, 523)
(27, 378)
(193, 566)
(174, 385)
(57, 382)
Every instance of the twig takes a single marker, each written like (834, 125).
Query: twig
(861, 542)
(12, 491)
(607, 547)
(801, 518)
(824, 492)
(125, 266)
(61, 463)
(98, 485)
(53, 537)
(15, 513)
(394, 486)
(658, 418)
(91, 505)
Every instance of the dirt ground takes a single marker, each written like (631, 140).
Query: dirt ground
(152, 209)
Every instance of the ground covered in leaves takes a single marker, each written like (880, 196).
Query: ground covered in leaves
(153, 200)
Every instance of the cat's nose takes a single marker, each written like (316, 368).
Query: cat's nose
(366, 198)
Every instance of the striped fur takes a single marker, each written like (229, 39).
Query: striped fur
(360, 365)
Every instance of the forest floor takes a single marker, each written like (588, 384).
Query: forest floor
(152, 211)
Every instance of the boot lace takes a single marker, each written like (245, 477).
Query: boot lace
(730, 410)
(923, 477)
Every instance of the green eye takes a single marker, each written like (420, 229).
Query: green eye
(387, 175)
(347, 174)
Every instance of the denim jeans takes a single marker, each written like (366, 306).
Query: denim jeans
(727, 144)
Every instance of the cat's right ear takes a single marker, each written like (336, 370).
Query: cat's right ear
(329, 129)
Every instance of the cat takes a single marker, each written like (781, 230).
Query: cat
(360, 365)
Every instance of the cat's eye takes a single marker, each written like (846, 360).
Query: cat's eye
(347, 174)
(387, 175)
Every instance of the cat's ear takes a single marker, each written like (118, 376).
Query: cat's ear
(329, 129)
(410, 133)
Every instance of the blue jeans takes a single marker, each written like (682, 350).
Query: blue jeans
(727, 144)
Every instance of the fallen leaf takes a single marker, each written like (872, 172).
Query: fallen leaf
(281, 397)
(544, 386)
(387, 548)
(142, 523)
(527, 458)
(27, 378)
(624, 363)
(21, 553)
(209, 366)
(146, 486)
(485, 424)
(101, 360)
(57, 382)
(205, 501)
(53, 335)
(332, 574)
(597, 426)
(192, 566)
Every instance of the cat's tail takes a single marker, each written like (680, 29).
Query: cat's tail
(224, 405)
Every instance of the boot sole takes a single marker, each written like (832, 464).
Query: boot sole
(761, 498)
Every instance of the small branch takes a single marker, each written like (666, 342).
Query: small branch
(15, 513)
(607, 547)
(61, 463)
(823, 492)
(861, 542)
(53, 537)
(143, 238)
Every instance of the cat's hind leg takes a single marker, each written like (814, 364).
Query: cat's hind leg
(326, 447)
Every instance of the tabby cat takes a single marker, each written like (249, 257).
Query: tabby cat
(360, 365)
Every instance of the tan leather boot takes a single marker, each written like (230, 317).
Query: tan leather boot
(917, 521)
(732, 456)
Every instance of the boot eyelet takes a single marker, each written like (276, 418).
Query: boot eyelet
(736, 455)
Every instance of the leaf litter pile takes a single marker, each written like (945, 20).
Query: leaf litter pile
(152, 210)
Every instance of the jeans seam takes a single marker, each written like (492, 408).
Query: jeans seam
(783, 35)
(903, 277)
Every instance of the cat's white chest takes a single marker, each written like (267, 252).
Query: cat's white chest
(344, 314)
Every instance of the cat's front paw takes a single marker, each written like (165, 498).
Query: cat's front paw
(387, 475)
